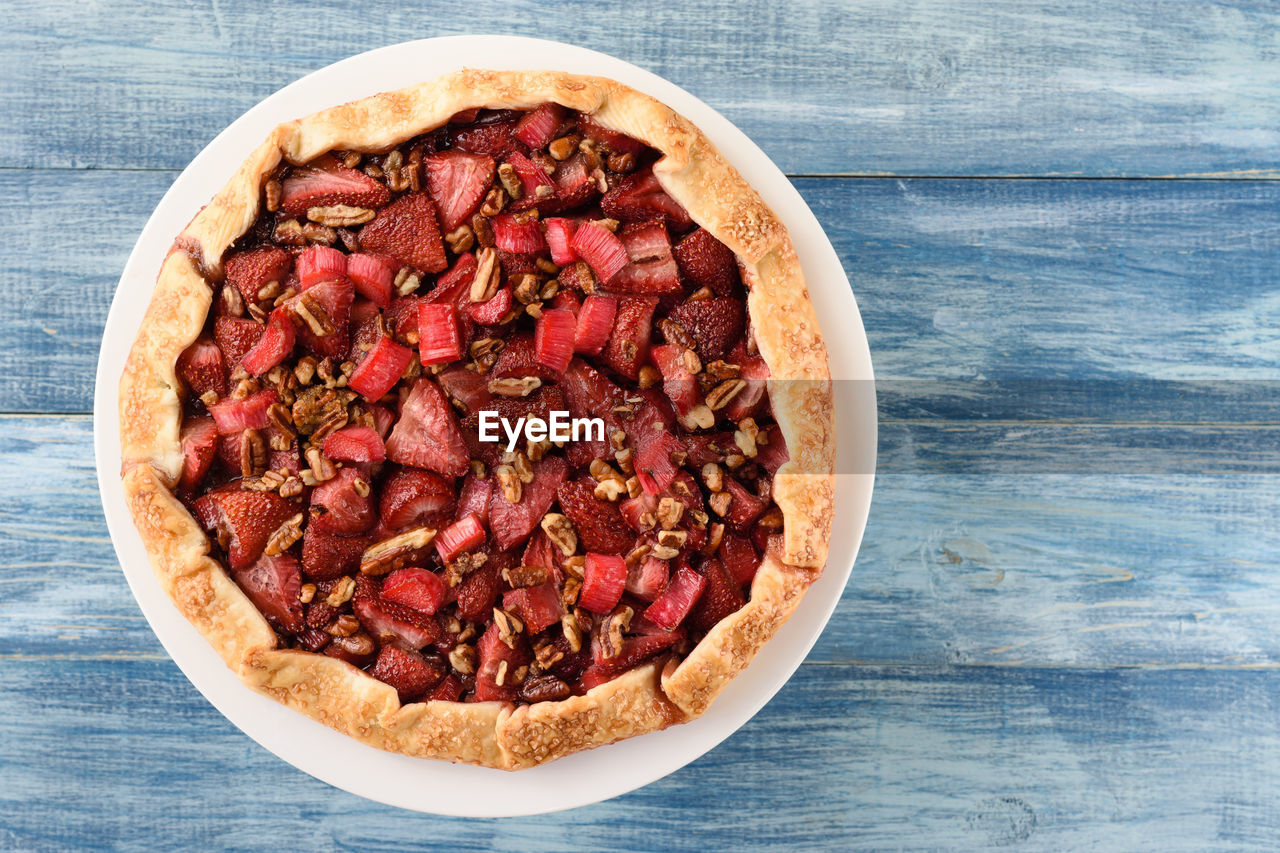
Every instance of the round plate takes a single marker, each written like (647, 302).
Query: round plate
(432, 786)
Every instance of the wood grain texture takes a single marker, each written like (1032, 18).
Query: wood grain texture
(129, 757)
(922, 87)
(1087, 300)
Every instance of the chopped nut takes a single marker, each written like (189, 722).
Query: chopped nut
(460, 239)
(321, 234)
(606, 224)
(665, 552)
(547, 655)
(268, 482)
(670, 511)
(590, 154)
(518, 577)
(601, 471)
(284, 536)
(305, 369)
(232, 302)
(477, 468)
(637, 554)
(306, 593)
(701, 294)
(699, 518)
(621, 162)
(548, 266)
(715, 535)
(617, 439)
(569, 595)
(734, 461)
(483, 230)
(485, 282)
(721, 370)
(256, 312)
(559, 530)
(510, 182)
(289, 233)
(625, 458)
(633, 487)
(510, 483)
(536, 450)
(527, 287)
(352, 159)
(713, 476)
(691, 361)
(462, 566)
(361, 487)
(270, 290)
(544, 191)
(272, 192)
(344, 626)
(281, 417)
(520, 464)
(575, 566)
(340, 215)
(321, 468)
(719, 503)
(253, 454)
(615, 625)
(562, 148)
(648, 521)
(406, 281)
(673, 538)
(515, 387)
(544, 688)
(509, 626)
(572, 632)
(463, 659)
(307, 309)
(676, 334)
(291, 487)
(501, 678)
(746, 443)
(649, 376)
(209, 398)
(395, 552)
(341, 592)
(610, 490)
(699, 417)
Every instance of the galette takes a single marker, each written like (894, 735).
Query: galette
(487, 420)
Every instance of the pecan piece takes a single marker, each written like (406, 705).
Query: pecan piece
(394, 553)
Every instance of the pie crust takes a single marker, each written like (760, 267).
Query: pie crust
(647, 698)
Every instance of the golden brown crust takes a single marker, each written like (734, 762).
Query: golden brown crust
(492, 734)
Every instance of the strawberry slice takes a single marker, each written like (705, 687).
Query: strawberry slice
(619, 142)
(595, 322)
(721, 597)
(466, 387)
(773, 455)
(750, 400)
(645, 580)
(574, 186)
(675, 602)
(604, 578)
(235, 337)
(634, 651)
(455, 285)
(639, 197)
(273, 584)
(427, 434)
(739, 557)
(473, 497)
(318, 264)
(394, 624)
(326, 556)
(558, 234)
(511, 235)
(327, 182)
(633, 510)
(538, 607)
(401, 319)
(372, 276)
(355, 444)
(538, 126)
(498, 663)
(439, 333)
(408, 672)
(678, 383)
(600, 248)
(512, 523)
(628, 344)
(707, 262)
(714, 324)
(599, 523)
(412, 498)
(654, 467)
(519, 358)
(496, 140)
(323, 316)
(381, 369)
(650, 267)
(244, 520)
(568, 300)
(744, 509)
(406, 230)
(448, 690)
(199, 441)
(577, 276)
(275, 345)
(491, 311)
(457, 182)
(465, 534)
(251, 270)
(338, 507)
(417, 588)
(236, 416)
(201, 368)
(478, 592)
(531, 176)
(553, 339)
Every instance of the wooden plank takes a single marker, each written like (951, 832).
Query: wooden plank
(843, 757)
(1115, 301)
(928, 87)
(978, 551)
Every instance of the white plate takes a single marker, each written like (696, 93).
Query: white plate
(431, 786)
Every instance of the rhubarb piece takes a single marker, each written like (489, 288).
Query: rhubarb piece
(574, 187)
(595, 322)
(654, 467)
(457, 182)
(198, 439)
(411, 674)
(512, 235)
(492, 311)
(714, 324)
(744, 508)
(325, 183)
(558, 234)
(427, 434)
(272, 584)
(326, 556)
(599, 524)
(553, 339)
(417, 588)
(519, 358)
(604, 578)
(250, 271)
(381, 369)
(465, 534)
(619, 142)
(538, 607)
(538, 126)
(201, 368)
(498, 662)
(721, 596)
(406, 230)
(494, 140)
(639, 197)
(773, 454)
(395, 624)
(355, 444)
(602, 251)
(678, 383)
(372, 276)
(650, 267)
(739, 557)
(235, 337)
(531, 176)
(677, 600)
(273, 347)
(633, 652)
(337, 505)
(473, 497)
(646, 579)
(243, 521)
(413, 498)
(628, 344)
(706, 262)
(511, 523)
(236, 416)
(439, 333)
(750, 400)
(318, 264)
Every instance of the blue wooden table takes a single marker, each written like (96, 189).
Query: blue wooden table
(1062, 224)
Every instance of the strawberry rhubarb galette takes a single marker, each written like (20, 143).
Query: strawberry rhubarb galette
(486, 420)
